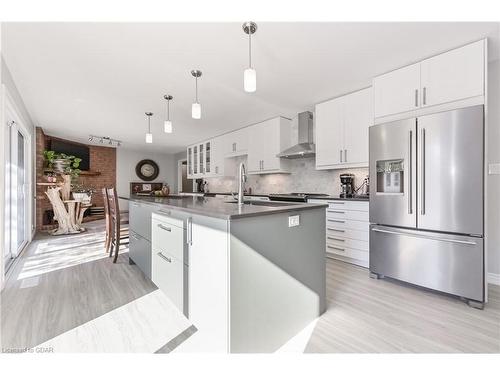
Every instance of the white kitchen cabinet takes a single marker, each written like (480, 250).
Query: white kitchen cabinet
(347, 230)
(329, 132)
(169, 266)
(397, 91)
(342, 131)
(358, 117)
(267, 139)
(236, 142)
(190, 172)
(217, 156)
(453, 75)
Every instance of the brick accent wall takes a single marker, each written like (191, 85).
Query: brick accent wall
(102, 160)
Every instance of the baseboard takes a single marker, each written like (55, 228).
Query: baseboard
(494, 278)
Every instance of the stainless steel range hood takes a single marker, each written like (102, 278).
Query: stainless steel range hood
(305, 146)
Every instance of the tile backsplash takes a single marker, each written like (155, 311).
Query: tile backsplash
(304, 178)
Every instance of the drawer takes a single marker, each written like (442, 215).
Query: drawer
(170, 276)
(349, 205)
(168, 238)
(363, 256)
(347, 224)
(140, 253)
(340, 242)
(337, 213)
(361, 235)
(140, 219)
(167, 219)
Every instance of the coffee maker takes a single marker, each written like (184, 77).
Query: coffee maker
(346, 185)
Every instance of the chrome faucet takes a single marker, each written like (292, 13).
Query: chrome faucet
(242, 177)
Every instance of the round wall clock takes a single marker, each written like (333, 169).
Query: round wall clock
(147, 170)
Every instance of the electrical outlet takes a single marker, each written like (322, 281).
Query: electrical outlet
(293, 221)
(494, 168)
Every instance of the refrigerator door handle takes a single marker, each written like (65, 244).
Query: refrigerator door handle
(425, 237)
(410, 178)
(422, 172)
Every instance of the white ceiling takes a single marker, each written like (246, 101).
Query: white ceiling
(78, 79)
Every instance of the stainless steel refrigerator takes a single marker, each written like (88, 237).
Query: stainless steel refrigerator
(426, 202)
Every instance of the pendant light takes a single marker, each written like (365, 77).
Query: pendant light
(149, 135)
(250, 75)
(167, 125)
(196, 107)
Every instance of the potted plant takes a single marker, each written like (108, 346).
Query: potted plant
(62, 163)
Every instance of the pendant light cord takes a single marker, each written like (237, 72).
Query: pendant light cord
(196, 80)
(149, 124)
(250, 50)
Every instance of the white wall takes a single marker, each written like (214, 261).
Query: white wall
(127, 159)
(493, 181)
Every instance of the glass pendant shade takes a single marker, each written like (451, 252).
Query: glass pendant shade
(167, 126)
(196, 111)
(250, 80)
(149, 138)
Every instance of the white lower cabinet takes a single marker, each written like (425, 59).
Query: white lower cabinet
(169, 266)
(347, 230)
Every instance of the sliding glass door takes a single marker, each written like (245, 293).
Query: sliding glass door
(17, 186)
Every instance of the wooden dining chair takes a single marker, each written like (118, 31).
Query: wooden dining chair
(118, 233)
(107, 219)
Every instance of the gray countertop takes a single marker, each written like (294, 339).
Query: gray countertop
(337, 198)
(221, 207)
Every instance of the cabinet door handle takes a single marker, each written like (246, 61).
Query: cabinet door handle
(336, 211)
(337, 221)
(336, 248)
(336, 230)
(340, 156)
(425, 96)
(189, 231)
(416, 97)
(160, 254)
(410, 177)
(422, 177)
(262, 164)
(345, 155)
(161, 226)
(336, 239)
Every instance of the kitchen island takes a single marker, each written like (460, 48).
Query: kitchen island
(248, 277)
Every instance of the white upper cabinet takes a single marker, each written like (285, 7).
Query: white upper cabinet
(265, 140)
(453, 75)
(236, 143)
(342, 130)
(397, 91)
(329, 132)
(358, 117)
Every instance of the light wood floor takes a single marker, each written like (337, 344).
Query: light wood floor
(61, 283)
(365, 315)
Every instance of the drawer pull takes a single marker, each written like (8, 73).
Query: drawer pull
(161, 226)
(160, 254)
(336, 248)
(336, 230)
(336, 221)
(335, 238)
(336, 212)
(337, 202)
